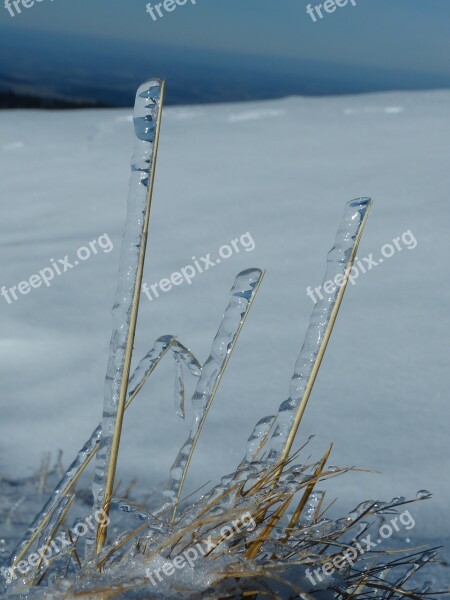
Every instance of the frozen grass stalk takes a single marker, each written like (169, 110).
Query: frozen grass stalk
(242, 295)
(67, 483)
(147, 120)
(340, 262)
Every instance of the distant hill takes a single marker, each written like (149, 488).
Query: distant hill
(12, 100)
(56, 71)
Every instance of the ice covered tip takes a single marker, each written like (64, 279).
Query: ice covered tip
(146, 110)
(246, 282)
(363, 202)
(149, 88)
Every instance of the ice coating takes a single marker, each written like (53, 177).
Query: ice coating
(180, 353)
(179, 388)
(68, 478)
(20, 584)
(337, 265)
(140, 374)
(259, 435)
(146, 117)
(311, 508)
(183, 356)
(49, 530)
(248, 466)
(241, 296)
(148, 363)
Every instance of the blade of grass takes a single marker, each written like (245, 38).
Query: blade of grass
(102, 529)
(323, 346)
(213, 394)
(309, 490)
(63, 488)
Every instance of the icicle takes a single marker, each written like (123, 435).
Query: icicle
(179, 388)
(338, 262)
(246, 468)
(45, 537)
(147, 114)
(256, 440)
(311, 508)
(183, 356)
(423, 495)
(50, 530)
(180, 353)
(425, 558)
(147, 364)
(66, 483)
(130, 508)
(187, 358)
(140, 375)
(242, 295)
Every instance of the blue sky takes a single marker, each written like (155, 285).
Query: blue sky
(408, 36)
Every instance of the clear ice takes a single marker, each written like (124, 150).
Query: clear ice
(337, 266)
(146, 116)
(145, 367)
(241, 296)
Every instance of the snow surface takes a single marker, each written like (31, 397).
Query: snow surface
(281, 170)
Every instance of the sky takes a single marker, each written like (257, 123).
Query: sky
(378, 44)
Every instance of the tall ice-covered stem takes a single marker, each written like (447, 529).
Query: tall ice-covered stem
(242, 295)
(147, 120)
(339, 264)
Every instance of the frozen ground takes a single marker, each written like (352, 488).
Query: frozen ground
(282, 171)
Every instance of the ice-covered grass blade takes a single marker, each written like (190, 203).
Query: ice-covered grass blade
(340, 262)
(147, 122)
(67, 483)
(242, 295)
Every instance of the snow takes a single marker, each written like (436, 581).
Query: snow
(281, 170)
